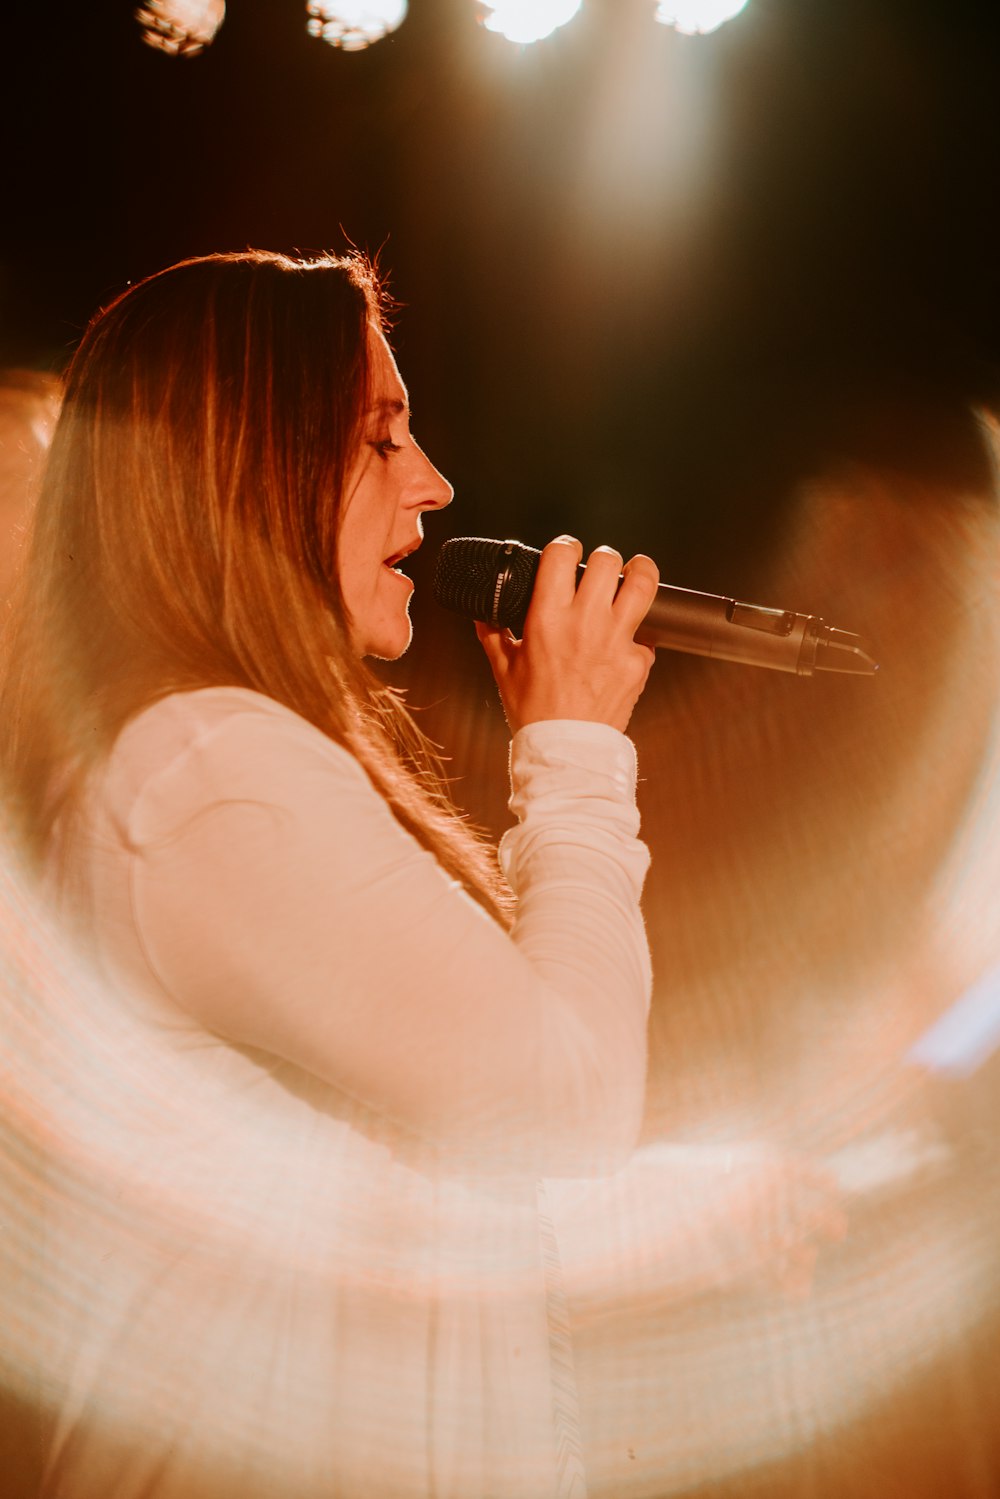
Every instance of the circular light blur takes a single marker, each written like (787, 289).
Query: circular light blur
(354, 24)
(181, 27)
(696, 17)
(529, 20)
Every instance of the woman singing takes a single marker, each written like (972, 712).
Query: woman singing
(330, 1050)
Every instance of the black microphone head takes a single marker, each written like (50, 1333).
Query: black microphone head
(487, 580)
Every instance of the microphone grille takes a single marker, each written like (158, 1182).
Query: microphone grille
(468, 571)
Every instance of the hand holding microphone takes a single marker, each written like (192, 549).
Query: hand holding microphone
(577, 657)
(493, 581)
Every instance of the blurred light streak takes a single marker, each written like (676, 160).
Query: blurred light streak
(353, 25)
(697, 17)
(694, 1366)
(528, 21)
(301, 1273)
(966, 1035)
(676, 1314)
(181, 27)
(172, 1239)
(191, 1239)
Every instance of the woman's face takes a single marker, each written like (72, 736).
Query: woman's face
(392, 483)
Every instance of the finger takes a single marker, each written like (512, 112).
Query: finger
(494, 639)
(640, 579)
(601, 575)
(498, 645)
(555, 581)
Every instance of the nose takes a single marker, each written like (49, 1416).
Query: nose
(436, 491)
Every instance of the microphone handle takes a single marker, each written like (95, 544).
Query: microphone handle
(492, 580)
(708, 624)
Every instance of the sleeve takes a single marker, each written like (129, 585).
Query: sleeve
(279, 901)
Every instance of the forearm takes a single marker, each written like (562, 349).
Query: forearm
(577, 866)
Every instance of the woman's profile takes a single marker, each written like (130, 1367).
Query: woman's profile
(319, 1052)
(313, 995)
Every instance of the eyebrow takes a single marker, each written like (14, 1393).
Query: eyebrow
(386, 404)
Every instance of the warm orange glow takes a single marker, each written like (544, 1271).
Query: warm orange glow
(29, 406)
(823, 892)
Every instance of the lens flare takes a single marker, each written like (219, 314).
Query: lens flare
(527, 21)
(181, 27)
(696, 17)
(353, 25)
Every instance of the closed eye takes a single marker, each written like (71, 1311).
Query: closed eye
(385, 446)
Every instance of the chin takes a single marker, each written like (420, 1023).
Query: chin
(384, 636)
(391, 646)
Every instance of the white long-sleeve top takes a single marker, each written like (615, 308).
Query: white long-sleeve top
(305, 1042)
(245, 874)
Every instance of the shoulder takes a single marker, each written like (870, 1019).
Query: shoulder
(193, 750)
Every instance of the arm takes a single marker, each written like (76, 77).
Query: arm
(280, 903)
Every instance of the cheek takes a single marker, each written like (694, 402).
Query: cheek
(367, 523)
(357, 544)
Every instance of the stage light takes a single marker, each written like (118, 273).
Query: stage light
(528, 20)
(695, 17)
(354, 24)
(181, 27)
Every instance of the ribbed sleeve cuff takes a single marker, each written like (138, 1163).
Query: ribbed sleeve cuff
(604, 758)
(573, 793)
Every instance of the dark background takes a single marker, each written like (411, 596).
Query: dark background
(649, 280)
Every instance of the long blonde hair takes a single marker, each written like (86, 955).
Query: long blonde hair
(186, 537)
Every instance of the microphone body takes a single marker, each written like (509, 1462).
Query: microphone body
(492, 581)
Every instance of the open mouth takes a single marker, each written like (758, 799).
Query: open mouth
(392, 563)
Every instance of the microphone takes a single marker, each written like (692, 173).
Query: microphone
(492, 581)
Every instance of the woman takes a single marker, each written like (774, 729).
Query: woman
(353, 1062)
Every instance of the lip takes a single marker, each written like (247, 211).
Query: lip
(393, 561)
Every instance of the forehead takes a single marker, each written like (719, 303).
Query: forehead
(387, 383)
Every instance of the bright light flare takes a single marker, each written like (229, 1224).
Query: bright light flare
(181, 27)
(696, 17)
(353, 25)
(527, 21)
